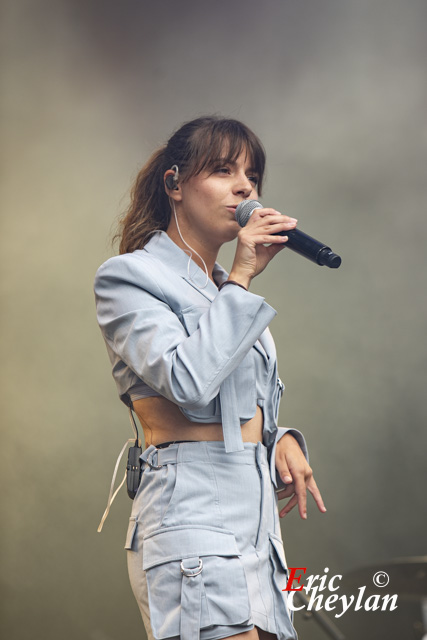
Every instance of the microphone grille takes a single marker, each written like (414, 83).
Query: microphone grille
(245, 209)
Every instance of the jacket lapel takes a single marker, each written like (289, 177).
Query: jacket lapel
(165, 249)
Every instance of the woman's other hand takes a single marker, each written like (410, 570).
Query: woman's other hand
(297, 474)
(252, 256)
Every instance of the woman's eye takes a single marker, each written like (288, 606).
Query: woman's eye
(223, 170)
(254, 179)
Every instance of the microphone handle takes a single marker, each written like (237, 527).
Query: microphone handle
(310, 248)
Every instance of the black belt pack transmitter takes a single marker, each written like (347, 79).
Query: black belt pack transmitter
(133, 470)
(133, 467)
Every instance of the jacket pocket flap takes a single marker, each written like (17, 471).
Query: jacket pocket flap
(280, 552)
(131, 532)
(180, 542)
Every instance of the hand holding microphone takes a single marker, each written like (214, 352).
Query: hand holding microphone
(264, 235)
(297, 240)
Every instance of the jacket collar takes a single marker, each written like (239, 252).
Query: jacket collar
(165, 249)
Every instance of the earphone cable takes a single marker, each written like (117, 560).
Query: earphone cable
(191, 251)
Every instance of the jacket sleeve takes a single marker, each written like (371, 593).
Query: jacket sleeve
(142, 329)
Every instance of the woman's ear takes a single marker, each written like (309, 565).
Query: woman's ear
(171, 179)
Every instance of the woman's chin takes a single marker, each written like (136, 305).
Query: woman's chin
(232, 232)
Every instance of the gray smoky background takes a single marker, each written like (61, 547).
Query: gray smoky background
(336, 90)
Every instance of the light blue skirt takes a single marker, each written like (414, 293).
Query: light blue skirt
(205, 553)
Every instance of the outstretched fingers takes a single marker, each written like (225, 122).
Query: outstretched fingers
(299, 497)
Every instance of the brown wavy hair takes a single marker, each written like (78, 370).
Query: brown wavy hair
(196, 146)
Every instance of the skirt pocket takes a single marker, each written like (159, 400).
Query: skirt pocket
(155, 494)
(195, 580)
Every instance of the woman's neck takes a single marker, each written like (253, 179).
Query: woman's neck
(209, 255)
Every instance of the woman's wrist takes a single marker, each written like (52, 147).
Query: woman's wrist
(242, 280)
(233, 282)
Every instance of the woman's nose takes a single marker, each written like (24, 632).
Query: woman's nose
(243, 186)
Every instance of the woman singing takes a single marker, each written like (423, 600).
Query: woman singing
(192, 355)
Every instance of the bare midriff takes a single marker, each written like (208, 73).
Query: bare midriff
(162, 421)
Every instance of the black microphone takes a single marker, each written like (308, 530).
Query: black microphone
(298, 241)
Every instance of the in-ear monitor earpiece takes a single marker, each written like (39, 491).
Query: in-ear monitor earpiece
(172, 181)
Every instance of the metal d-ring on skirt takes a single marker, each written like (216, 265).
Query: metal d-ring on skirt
(205, 553)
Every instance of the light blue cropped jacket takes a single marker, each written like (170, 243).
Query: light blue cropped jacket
(209, 352)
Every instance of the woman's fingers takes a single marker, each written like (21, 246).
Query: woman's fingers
(295, 482)
(301, 493)
(295, 471)
(269, 217)
(265, 229)
(314, 490)
(286, 493)
(252, 256)
(300, 497)
(289, 506)
(266, 238)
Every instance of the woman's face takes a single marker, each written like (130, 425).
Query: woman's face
(207, 202)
